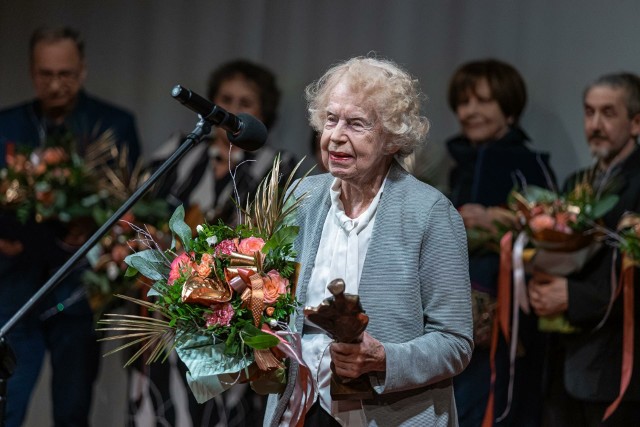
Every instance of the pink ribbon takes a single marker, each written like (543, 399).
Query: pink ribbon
(304, 393)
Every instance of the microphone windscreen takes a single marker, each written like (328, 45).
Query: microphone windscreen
(252, 135)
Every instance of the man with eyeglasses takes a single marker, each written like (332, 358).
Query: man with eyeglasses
(30, 253)
(58, 72)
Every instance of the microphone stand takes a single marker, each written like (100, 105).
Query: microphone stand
(7, 357)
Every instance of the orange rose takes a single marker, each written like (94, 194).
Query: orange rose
(274, 285)
(53, 156)
(541, 222)
(250, 245)
(204, 268)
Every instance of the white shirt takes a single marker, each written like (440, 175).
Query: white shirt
(341, 254)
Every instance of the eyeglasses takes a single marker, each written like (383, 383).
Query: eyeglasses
(354, 125)
(64, 76)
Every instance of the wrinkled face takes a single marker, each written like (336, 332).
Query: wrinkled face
(238, 95)
(607, 125)
(480, 115)
(352, 143)
(58, 72)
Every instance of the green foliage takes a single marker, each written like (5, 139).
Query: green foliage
(255, 338)
(285, 236)
(630, 244)
(150, 263)
(181, 229)
(281, 259)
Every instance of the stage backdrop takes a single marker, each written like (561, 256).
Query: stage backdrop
(137, 50)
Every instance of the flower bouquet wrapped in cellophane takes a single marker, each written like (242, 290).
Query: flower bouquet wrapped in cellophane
(563, 231)
(225, 296)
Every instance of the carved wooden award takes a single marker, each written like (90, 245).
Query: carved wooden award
(344, 320)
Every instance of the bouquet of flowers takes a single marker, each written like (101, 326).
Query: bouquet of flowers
(563, 230)
(225, 296)
(107, 259)
(53, 182)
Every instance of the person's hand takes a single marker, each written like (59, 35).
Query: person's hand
(475, 215)
(548, 294)
(353, 360)
(11, 248)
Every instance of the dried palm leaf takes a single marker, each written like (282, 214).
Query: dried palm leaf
(156, 334)
(271, 203)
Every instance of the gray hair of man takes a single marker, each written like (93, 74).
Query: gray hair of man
(628, 82)
(387, 90)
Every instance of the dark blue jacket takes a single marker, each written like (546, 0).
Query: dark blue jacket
(24, 125)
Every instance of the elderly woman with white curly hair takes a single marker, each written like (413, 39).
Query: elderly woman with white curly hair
(397, 242)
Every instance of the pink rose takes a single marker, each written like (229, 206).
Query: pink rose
(206, 263)
(181, 264)
(250, 245)
(541, 222)
(274, 286)
(222, 315)
(564, 221)
(225, 247)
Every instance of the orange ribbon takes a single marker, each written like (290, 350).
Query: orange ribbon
(253, 296)
(501, 320)
(627, 332)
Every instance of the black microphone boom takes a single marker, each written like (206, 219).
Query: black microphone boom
(243, 130)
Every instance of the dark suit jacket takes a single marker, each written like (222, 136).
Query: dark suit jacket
(593, 358)
(23, 125)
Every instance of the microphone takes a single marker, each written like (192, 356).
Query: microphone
(243, 130)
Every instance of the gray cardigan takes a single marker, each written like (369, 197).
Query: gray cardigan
(415, 289)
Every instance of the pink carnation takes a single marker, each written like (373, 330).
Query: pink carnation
(250, 245)
(222, 315)
(181, 264)
(226, 247)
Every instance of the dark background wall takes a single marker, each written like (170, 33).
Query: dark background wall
(138, 50)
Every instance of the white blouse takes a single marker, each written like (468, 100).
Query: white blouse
(341, 254)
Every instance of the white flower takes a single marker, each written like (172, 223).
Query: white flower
(199, 228)
(212, 240)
